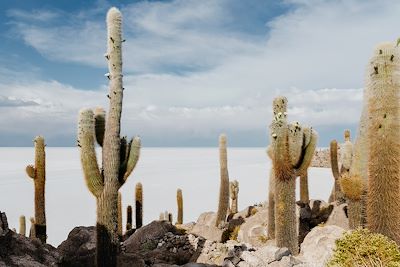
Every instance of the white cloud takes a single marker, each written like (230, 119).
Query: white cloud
(306, 54)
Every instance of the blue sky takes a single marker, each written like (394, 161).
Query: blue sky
(192, 69)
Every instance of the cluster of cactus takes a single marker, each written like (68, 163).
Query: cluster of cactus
(119, 158)
(38, 173)
(292, 150)
(223, 203)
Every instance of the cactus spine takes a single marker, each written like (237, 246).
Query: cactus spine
(293, 148)
(118, 158)
(384, 137)
(119, 214)
(38, 174)
(139, 205)
(22, 225)
(234, 192)
(179, 200)
(129, 218)
(223, 203)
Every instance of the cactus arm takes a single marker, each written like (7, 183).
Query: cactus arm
(334, 159)
(133, 157)
(93, 177)
(30, 171)
(308, 154)
(100, 123)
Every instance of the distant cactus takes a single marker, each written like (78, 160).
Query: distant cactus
(179, 200)
(353, 187)
(336, 194)
(293, 149)
(32, 233)
(22, 225)
(170, 217)
(129, 218)
(38, 174)
(139, 205)
(119, 214)
(119, 158)
(223, 203)
(384, 137)
(162, 217)
(234, 192)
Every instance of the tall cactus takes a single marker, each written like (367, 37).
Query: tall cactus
(293, 149)
(384, 137)
(271, 198)
(129, 218)
(223, 203)
(234, 193)
(119, 158)
(22, 225)
(139, 205)
(179, 200)
(38, 174)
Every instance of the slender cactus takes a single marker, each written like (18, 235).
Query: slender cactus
(288, 162)
(32, 233)
(38, 174)
(304, 195)
(179, 200)
(170, 217)
(384, 137)
(271, 199)
(139, 205)
(119, 214)
(119, 158)
(234, 192)
(129, 218)
(223, 203)
(22, 225)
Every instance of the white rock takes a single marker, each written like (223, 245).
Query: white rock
(338, 217)
(251, 259)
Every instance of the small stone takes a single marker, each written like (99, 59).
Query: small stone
(280, 253)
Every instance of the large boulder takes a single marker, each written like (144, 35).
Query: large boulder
(339, 217)
(79, 249)
(205, 227)
(254, 230)
(319, 244)
(18, 250)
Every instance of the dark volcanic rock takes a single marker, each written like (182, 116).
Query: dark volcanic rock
(80, 247)
(18, 250)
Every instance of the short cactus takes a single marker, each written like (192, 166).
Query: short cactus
(22, 225)
(234, 192)
(289, 161)
(139, 205)
(179, 200)
(353, 188)
(162, 217)
(129, 218)
(119, 158)
(384, 137)
(38, 174)
(223, 203)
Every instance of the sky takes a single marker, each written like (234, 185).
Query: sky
(192, 68)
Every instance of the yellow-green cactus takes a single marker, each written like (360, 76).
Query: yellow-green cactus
(286, 169)
(179, 200)
(139, 205)
(38, 173)
(223, 203)
(118, 158)
(234, 192)
(353, 188)
(22, 225)
(384, 136)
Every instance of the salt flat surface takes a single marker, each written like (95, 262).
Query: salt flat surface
(160, 170)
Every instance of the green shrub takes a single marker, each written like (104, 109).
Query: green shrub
(363, 248)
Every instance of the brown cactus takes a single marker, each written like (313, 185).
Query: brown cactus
(22, 225)
(179, 200)
(223, 202)
(139, 205)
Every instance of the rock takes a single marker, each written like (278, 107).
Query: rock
(318, 245)
(79, 249)
(338, 217)
(18, 250)
(207, 218)
(269, 253)
(252, 259)
(208, 232)
(254, 230)
(280, 253)
(187, 226)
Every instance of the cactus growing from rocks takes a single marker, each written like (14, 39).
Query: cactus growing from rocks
(32, 233)
(161, 217)
(38, 174)
(384, 136)
(293, 149)
(223, 203)
(119, 158)
(352, 188)
(22, 225)
(179, 200)
(129, 218)
(271, 199)
(139, 205)
(234, 192)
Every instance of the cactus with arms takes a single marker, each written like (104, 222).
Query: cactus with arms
(292, 148)
(383, 206)
(223, 203)
(119, 158)
(38, 174)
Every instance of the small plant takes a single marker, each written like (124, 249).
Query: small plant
(234, 233)
(363, 248)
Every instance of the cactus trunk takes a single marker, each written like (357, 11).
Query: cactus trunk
(179, 200)
(128, 218)
(22, 225)
(384, 137)
(139, 205)
(304, 195)
(223, 202)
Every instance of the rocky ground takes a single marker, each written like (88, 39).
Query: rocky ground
(241, 242)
